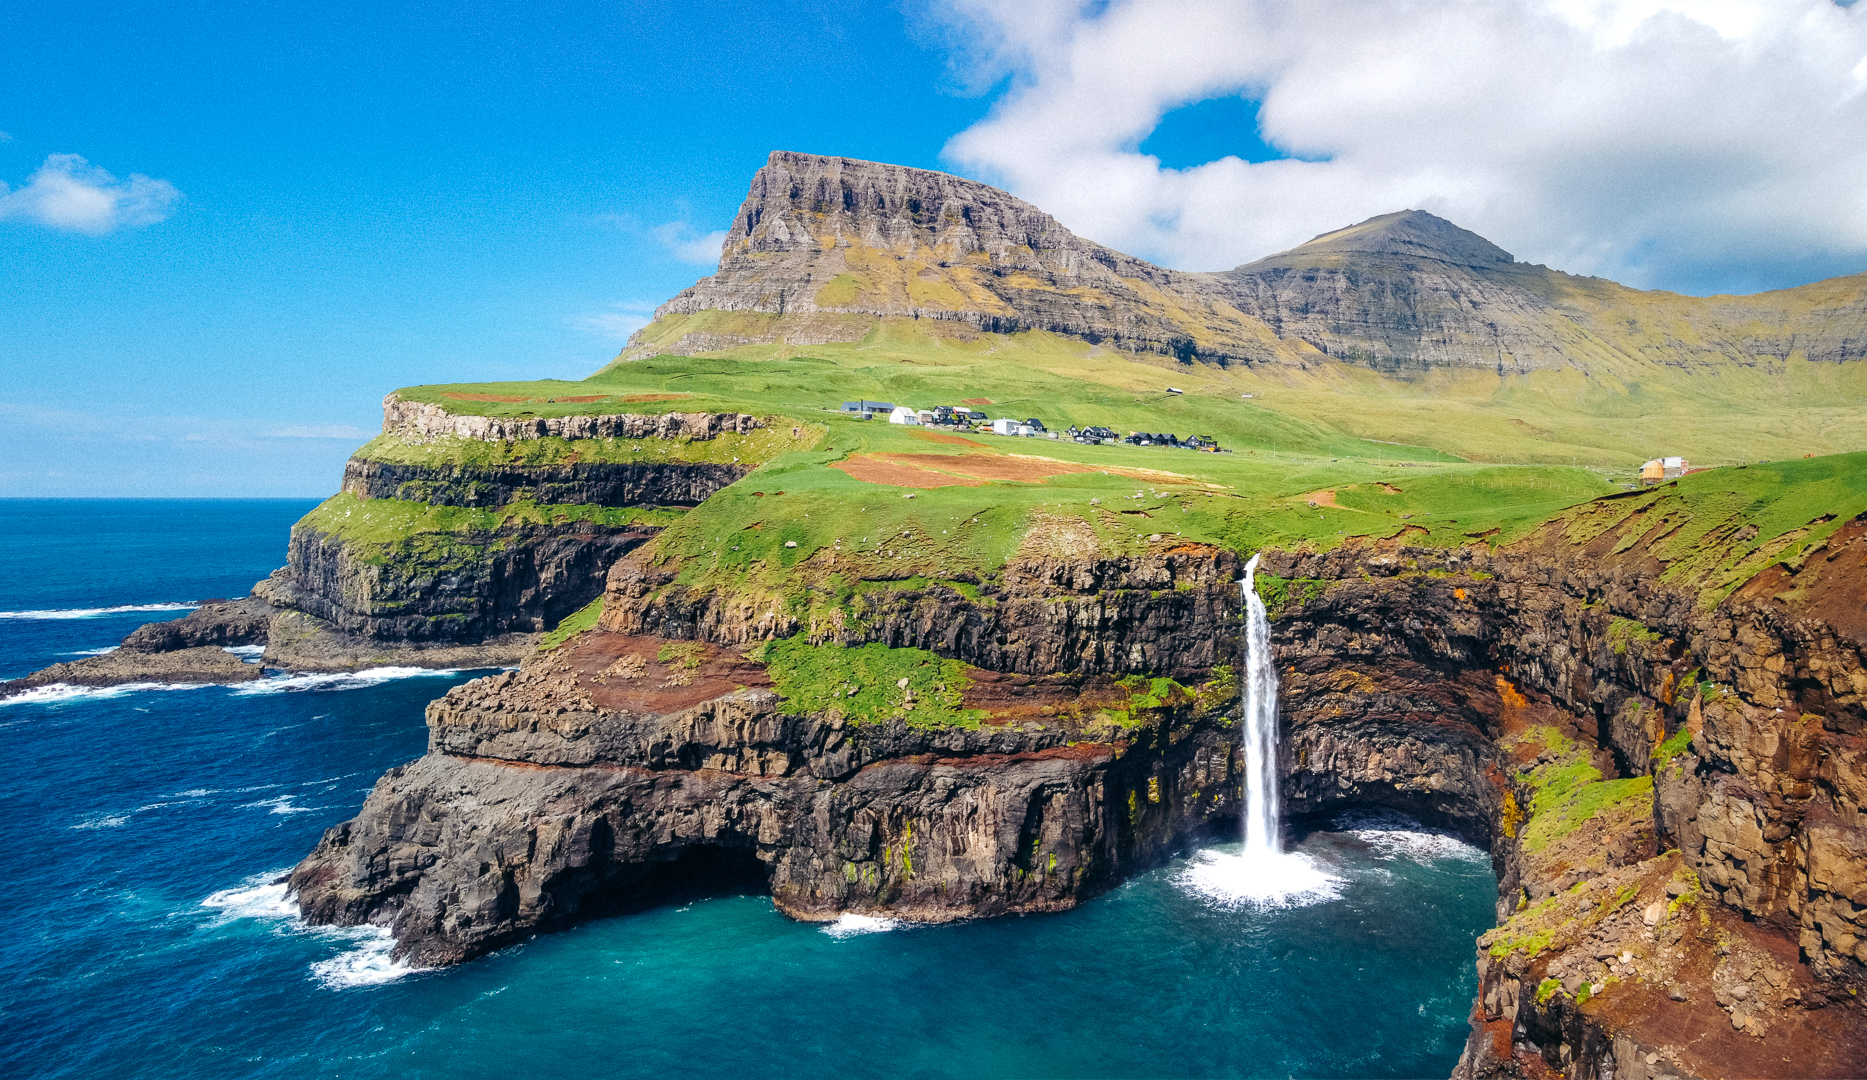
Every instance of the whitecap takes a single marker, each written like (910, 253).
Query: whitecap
(849, 924)
(370, 963)
(103, 821)
(267, 898)
(337, 680)
(1393, 835)
(93, 652)
(280, 805)
(93, 612)
(248, 653)
(262, 896)
(58, 693)
(1262, 880)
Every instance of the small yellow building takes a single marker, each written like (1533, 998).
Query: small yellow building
(1660, 470)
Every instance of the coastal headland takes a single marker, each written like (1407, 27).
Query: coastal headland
(931, 672)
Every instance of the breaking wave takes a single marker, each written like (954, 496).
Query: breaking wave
(368, 962)
(336, 680)
(1393, 835)
(94, 612)
(58, 693)
(849, 924)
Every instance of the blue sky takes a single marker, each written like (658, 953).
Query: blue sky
(308, 206)
(448, 192)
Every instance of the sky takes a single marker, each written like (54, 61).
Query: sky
(226, 231)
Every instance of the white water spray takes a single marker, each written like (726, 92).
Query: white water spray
(1263, 875)
(1261, 804)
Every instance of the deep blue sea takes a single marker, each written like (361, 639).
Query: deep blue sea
(141, 940)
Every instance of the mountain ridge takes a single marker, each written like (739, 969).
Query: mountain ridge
(829, 245)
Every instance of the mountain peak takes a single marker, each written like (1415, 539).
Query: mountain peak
(1413, 233)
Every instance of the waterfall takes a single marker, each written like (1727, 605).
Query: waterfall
(1260, 720)
(1263, 875)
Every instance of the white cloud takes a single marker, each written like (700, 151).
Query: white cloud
(1666, 142)
(615, 323)
(327, 431)
(687, 245)
(71, 194)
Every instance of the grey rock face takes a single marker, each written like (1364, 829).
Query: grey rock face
(535, 808)
(452, 587)
(828, 244)
(585, 484)
(825, 234)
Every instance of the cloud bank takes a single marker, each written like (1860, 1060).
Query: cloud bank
(1691, 144)
(72, 195)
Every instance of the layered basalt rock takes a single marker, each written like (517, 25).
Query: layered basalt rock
(454, 587)
(419, 420)
(671, 483)
(1172, 611)
(826, 235)
(825, 246)
(1442, 683)
(555, 793)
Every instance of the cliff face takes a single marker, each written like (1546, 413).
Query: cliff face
(561, 791)
(1172, 611)
(830, 244)
(1562, 700)
(668, 484)
(833, 235)
(455, 587)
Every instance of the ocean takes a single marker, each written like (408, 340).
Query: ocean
(143, 937)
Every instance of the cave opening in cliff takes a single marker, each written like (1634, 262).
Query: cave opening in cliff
(700, 872)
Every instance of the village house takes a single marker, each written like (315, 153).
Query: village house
(864, 410)
(1660, 470)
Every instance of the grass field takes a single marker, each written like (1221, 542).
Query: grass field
(837, 504)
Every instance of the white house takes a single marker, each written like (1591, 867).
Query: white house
(1004, 425)
(904, 415)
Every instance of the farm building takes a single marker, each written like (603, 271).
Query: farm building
(1660, 470)
(904, 415)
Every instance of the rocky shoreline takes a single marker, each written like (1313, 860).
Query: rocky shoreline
(1529, 698)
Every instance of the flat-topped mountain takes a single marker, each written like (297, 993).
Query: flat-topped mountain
(825, 246)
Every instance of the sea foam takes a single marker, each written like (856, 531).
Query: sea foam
(336, 680)
(1262, 880)
(1394, 835)
(849, 924)
(368, 961)
(94, 612)
(59, 693)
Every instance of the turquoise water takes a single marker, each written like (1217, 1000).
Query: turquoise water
(140, 829)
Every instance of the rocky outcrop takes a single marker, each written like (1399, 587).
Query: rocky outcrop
(455, 587)
(672, 483)
(197, 664)
(1172, 611)
(1672, 850)
(563, 790)
(419, 420)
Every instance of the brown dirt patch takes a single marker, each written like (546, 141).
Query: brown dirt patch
(977, 401)
(992, 466)
(1041, 699)
(1388, 488)
(873, 471)
(1325, 497)
(952, 440)
(508, 398)
(971, 468)
(660, 687)
(654, 397)
(584, 398)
